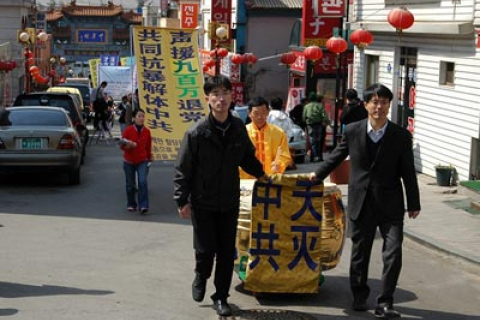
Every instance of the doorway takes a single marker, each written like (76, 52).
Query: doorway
(406, 91)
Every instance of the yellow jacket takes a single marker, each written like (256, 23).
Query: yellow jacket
(271, 144)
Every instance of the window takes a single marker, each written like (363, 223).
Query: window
(447, 73)
(371, 74)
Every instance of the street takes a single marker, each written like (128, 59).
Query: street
(74, 252)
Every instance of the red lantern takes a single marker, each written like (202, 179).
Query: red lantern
(401, 18)
(237, 58)
(250, 58)
(28, 54)
(14, 64)
(8, 66)
(3, 65)
(361, 38)
(210, 63)
(288, 58)
(30, 61)
(222, 52)
(336, 44)
(206, 68)
(313, 53)
(213, 54)
(33, 70)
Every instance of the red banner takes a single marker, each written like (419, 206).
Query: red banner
(238, 93)
(319, 18)
(222, 13)
(189, 15)
(328, 65)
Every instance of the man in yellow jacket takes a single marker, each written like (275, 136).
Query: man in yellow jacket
(270, 141)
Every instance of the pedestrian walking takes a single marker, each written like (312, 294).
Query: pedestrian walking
(354, 110)
(381, 157)
(316, 119)
(121, 111)
(279, 117)
(207, 189)
(136, 143)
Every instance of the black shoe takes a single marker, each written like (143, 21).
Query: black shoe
(198, 288)
(386, 311)
(359, 305)
(222, 307)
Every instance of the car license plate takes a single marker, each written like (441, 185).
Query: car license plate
(31, 143)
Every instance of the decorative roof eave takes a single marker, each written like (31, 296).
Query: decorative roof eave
(419, 27)
(132, 17)
(273, 5)
(54, 15)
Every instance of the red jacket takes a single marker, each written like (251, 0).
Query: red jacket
(143, 151)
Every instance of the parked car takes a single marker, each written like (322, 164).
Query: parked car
(84, 91)
(62, 100)
(75, 93)
(40, 139)
(297, 141)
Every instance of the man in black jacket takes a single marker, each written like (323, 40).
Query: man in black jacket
(207, 189)
(381, 157)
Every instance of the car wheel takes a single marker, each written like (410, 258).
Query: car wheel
(300, 159)
(74, 177)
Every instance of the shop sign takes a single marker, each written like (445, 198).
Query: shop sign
(221, 13)
(317, 27)
(189, 15)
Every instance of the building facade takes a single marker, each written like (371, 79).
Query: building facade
(433, 69)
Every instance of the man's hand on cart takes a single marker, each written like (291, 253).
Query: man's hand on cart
(185, 212)
(313, 177)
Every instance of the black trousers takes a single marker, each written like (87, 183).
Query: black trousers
(214, 235)
(362, 234)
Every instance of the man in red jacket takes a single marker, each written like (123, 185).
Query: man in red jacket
(137, 146)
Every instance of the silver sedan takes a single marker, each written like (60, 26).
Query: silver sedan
(40, 139)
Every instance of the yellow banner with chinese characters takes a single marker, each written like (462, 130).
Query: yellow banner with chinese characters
(170, 82)
(93, 63)
(284, 254)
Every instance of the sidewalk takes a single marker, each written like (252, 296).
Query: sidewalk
(443, 223)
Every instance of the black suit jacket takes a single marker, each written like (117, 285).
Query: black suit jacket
(383, 176)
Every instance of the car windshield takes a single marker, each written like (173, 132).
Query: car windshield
(50, 101)
(34, 118)
(84, 90)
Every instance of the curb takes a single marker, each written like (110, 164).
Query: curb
(440, 246)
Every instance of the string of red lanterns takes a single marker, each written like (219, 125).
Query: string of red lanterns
(221, 53)
(8, 65)
(288, 58)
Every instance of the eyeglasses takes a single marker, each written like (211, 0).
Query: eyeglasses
(382, 102)
(218, 94)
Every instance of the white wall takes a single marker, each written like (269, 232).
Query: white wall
(446, 118)
(445, 10)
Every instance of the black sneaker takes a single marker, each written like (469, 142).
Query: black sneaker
(198, 288)
(386, 311)
(359, 305)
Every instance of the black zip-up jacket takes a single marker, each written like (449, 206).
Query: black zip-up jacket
(206, 169)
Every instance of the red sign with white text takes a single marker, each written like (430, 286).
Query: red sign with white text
(319, 17)
(327, 64)
(222, 13)
(238, 94)
(300, 64)
(189, 15)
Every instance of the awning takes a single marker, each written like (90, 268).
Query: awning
(432, 27)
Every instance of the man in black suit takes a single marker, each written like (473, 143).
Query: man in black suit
(381, 157)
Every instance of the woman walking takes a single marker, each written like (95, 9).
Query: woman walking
(137, 146)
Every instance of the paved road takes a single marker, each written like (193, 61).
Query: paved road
(73, 252)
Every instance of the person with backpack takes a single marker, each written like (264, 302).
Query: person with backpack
(317, 120)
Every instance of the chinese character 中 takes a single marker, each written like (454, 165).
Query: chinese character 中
(266, 200)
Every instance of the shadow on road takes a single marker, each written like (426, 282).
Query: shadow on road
(8, 312)
(18, 290)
